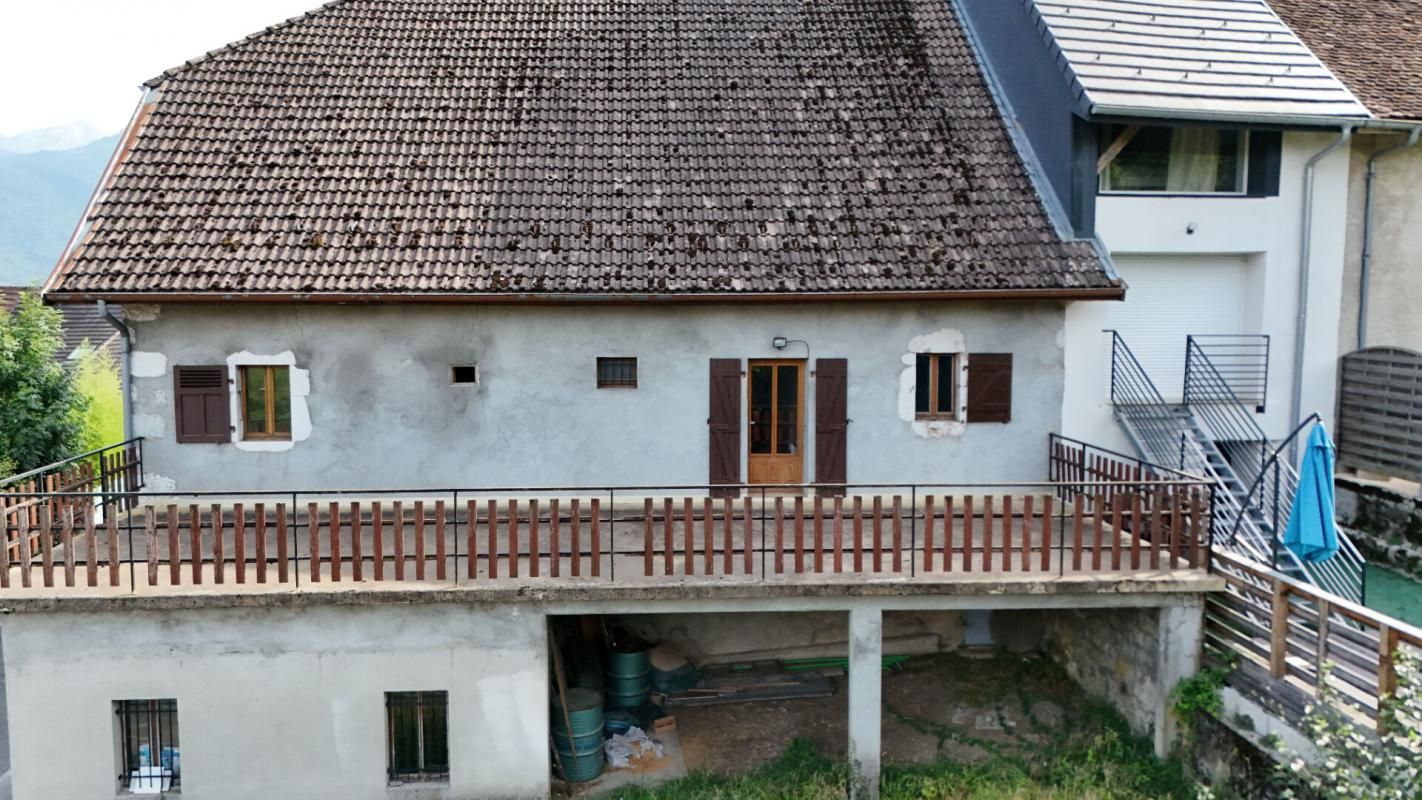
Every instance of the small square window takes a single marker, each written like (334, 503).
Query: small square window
(935, 386)
(617, 373)
(464, 374)
(417, 731)
(266, 402)
(148, 746)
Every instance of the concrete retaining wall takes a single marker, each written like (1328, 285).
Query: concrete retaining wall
(276, 703)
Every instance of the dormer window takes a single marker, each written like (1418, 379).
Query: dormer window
(1146, 159)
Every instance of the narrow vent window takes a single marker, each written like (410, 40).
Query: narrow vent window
(617, 373)
(464, 374)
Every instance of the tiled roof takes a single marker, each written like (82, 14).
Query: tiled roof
(1199, 58)
(503, 147)
(1375, 46)
(82, 323)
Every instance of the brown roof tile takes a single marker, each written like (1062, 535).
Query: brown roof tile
(518, 146)
(82, 323)
(1375, 46)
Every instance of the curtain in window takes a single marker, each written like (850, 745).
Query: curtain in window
(1194, 160)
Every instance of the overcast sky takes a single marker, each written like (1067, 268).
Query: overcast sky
(68, 61)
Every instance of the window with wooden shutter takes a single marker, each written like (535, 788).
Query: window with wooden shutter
(724, 421)
(831, 422)
(989, 387)
(200, 405)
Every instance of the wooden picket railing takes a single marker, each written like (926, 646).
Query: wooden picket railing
(1280, 633)
(1034, 530)
(41, 498)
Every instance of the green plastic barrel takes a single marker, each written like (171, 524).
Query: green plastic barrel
(580, 749)
(629, 679)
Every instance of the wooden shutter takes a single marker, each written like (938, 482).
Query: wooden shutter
(989, 387)
(724, 422)
(831, 421)
(200, 403)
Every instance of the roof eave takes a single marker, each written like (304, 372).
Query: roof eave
(1101, 110)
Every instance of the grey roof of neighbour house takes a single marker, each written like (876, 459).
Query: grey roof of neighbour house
(1210, 59)
(82, 323)
(394, 149)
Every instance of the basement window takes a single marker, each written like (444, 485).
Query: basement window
(464, 374)
(1150, 159)
(617, 373)
(148, 746)
(935, 386)
(417, 733)
(266, 402)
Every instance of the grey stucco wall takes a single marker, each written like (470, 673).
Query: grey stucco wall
(280, 703)
(384, 415)
(1395, 291)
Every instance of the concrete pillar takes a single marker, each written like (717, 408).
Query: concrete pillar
(866, 637)
(1177, 656)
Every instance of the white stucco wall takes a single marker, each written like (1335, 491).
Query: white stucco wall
(276, 703)
(1395, 290)
(382, 412)
(1267, 231)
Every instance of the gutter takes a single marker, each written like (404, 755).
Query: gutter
(127, 334)
(1240, 118)
(1365, 262)
(1305, 255)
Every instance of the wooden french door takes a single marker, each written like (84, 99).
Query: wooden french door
(775, 431)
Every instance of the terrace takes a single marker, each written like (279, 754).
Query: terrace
(1101, 522)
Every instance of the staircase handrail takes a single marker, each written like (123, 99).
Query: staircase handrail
(1131, 386)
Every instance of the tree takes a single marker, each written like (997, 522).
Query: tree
(41, 415)
(96, 379)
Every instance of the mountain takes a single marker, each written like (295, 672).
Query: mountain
(60, 137)
(42, 196)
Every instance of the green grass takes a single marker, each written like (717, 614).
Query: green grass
(1090, 756)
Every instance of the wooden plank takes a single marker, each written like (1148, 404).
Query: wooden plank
(491, 521)
(779, 535)
(1098, 534)
(987, 533)
(727, 530)
(1157, 527)
(747, 531)
(897, 527)
(1137, 528)
(239, 541)
(1279, 629)
(333, 532)
(799, 520)
(928, 534)
(67, 538)
(282, 573)
(838, 534)
(420, 541)
(1197, 528)
(259, 533)
(647, 537)
(471, 534)
(1077, 534)
(1387, 668)
(533, 534)
(514, 546)
(91, 554)
(46, 537)
(377, 540)
(858, 534)
(1028, 506)
(1116, 504)
(877, 522)
(595, 535)
(175, 562)
(575, 522)
(947, 547)
(441, 550)
(968, 533)
(313, 536)
(1007, 527)
(688, 528)
(110, 527)
(668, 537)
(708, 536)
(357, 546)
(555, 547)
(1176, 529)
(397, 539)
(819, 533)
(1047, 532)
(150, 524)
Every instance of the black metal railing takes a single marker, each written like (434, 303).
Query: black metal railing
(1240, 360)
(149, 743)
(1160, 428)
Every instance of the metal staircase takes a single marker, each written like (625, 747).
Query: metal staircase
(1212, 434)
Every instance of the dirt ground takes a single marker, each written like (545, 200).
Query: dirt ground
(933, 707)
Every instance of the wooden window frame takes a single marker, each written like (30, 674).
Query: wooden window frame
(601, 384)
(270, 434)
(935, 412)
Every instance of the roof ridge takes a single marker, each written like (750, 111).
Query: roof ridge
(155, 81)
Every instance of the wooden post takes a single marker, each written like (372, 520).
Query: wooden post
(877, 522)
(26, 556)
(377, 540)
(175, 562)
(419, 540)
(968, 533)
(1388, 640)
(748, 525)
(91, 554)
(111, 528)
(779, 535)
(987, 533)
(492, 523)
(1046, 532)
(67, 529)
(708, 536)
(313, 537)
(838, 534)
(281, 542)
(514, 547)
(928, 534)
(647, 537)
(799, 535)
(333, 531)
(1279, 630)
(1325, 610)
(239, 541)
(533, 548)
(397, 534)
(668, 537)
(357, 556)
(471, 514)
(46, 536)
(441, 570)
(575, 535)
(595, 535)
(728, 526)
(195, 543)
(150, 525)
(897, 529)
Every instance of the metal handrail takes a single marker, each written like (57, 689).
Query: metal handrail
(1241, 359)
(75, 459)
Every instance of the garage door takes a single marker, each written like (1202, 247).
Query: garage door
(1171, 297)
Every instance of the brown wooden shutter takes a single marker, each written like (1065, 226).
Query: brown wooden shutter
(724, 422)
(200, 404)
(989, 387)
(831, 421)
